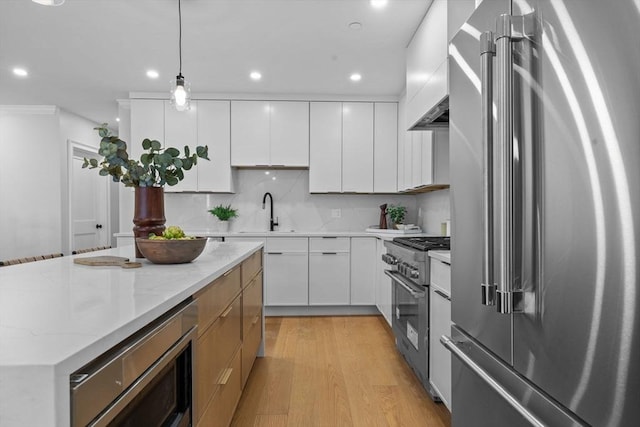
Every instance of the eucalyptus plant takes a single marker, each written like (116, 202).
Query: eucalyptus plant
(155, 168)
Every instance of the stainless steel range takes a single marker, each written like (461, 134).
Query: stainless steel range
(409, 271)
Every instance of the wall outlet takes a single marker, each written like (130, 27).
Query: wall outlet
(336, 213)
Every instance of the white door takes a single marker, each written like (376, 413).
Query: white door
(325, 147)
(357, 147)
(89, 205)
(289, 123)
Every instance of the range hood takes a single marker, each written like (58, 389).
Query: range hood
(436, 118)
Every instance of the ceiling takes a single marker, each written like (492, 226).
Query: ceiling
(85, 54)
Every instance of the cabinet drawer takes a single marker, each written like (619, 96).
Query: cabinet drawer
(287, 244)
(329, 279)
(215, 349)
(439, 356)
(328, 244)
(250, 346)
(251, 303)
(250, 267)
(441, 275)
(213, 299)
(221, 409)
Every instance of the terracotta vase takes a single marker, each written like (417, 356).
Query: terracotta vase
(148, 216)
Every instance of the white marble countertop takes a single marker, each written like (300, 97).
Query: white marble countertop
(292, 233)
(441, 255)
(56, 316)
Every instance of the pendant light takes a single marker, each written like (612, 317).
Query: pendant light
(180, 88)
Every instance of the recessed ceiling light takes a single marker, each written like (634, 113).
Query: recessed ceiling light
(355, 77)
(355, 26)
(49, 2)
(117, 119)
(273, 178)
(266, 173)
(255, 75)
(20, 72)
(152, 74)
(378, 4)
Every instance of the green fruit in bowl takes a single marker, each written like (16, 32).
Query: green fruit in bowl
(173, 232)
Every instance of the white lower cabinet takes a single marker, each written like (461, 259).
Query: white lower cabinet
(383, 283)
(440, 324)
(329, 278)
(329, 271)
(287, 271)
(363, 275)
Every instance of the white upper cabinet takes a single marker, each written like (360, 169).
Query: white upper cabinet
(180, 129)
(214, 130)
(427, 65)
(289, 133)
(269, 133)
(250, 133)
(206, 123)
(385, 148)
(147, 121)
(325, 146)
(357, 147)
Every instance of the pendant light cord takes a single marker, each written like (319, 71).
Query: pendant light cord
(180, 37)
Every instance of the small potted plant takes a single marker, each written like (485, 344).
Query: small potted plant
(397, 213)
(224, 214)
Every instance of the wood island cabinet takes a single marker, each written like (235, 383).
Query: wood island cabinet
(229, 337)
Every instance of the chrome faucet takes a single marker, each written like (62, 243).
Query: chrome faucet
(272, 223)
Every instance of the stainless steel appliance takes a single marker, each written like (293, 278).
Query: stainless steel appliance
(409, 272)
(145, 380)
(544, 107)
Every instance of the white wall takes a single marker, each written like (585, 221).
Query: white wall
(34, 178)
(30, 192)
(296, 208)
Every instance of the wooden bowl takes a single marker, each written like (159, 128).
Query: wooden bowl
(171, 251)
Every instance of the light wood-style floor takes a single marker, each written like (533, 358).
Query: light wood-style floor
(334, 371)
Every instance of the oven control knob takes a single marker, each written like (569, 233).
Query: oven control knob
(390, 259)
(415, 274)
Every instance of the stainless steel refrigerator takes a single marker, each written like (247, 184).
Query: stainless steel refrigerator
(545, 187)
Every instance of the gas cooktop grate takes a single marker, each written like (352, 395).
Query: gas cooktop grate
(424, 243)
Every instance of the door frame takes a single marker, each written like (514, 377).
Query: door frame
(78, 148)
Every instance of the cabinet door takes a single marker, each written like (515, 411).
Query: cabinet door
(441, 156)
(363, 276)
(286, 279)
(416, 158)
(180, 129)
(249, 133)
(147, 121)
(385, 148)
(439, 356)
(427, 158)
(289, 123)
(357, 147)
(214, 130)
(325, 147)
(408, 161)
(329, 278)
(383, 284)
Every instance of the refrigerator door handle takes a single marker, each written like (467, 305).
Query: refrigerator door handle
(487, 52)
(509, 29)
(491, 382)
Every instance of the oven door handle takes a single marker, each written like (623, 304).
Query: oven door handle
(400, 280)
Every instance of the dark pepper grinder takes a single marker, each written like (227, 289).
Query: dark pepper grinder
(383, 217)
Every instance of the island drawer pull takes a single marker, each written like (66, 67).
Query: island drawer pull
(228, 272)
(226, 312)
(256, 320)
(224, 377)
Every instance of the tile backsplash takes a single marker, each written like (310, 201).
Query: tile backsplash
(295, 208)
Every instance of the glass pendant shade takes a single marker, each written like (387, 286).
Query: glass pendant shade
(180, 93)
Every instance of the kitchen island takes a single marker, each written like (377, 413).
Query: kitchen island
(56, 316)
